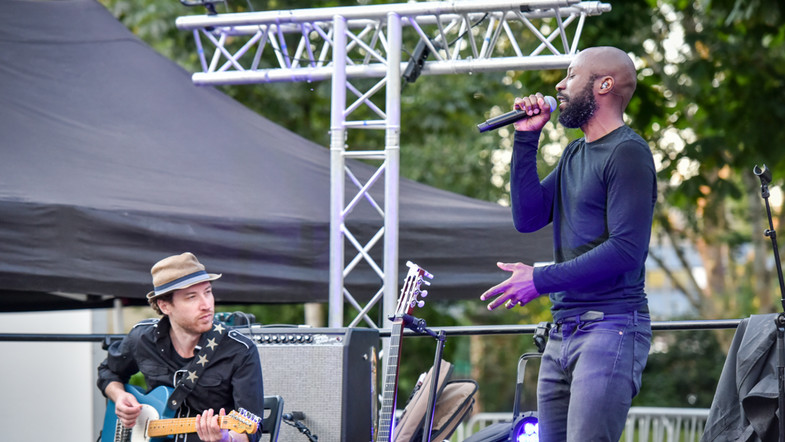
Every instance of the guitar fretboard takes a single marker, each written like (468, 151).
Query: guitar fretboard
(390, 384)
(166, 427)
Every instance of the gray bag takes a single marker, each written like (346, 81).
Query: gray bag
(454, 404)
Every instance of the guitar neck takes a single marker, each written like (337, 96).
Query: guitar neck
(168, 427)
(390, 383)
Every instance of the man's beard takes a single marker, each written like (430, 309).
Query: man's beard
(194, 326)
(580, 109)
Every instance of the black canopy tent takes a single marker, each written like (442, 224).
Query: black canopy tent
(113, 159)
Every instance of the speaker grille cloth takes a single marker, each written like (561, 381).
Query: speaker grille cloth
(309, 378)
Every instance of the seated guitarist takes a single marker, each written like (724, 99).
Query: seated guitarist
(163, 350)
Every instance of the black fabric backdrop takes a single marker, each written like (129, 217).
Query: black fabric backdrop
(113, 159)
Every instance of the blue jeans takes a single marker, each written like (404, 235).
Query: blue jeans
(589, 373)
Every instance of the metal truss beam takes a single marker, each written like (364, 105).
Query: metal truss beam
(349, 45)
(293, 46)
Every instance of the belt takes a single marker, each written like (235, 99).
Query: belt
(594, 315)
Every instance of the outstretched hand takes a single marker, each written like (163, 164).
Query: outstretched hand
(518, 289)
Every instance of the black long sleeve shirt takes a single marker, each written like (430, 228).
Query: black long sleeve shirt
(600, 199)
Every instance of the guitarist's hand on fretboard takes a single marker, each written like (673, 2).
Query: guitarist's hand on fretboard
(209, 430)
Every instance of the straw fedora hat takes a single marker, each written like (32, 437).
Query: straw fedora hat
(178, 272)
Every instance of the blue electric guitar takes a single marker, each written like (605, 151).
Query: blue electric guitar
(156, 423)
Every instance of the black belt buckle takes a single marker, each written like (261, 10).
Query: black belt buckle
(540, 334)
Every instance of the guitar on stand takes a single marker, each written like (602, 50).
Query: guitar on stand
(409, 299)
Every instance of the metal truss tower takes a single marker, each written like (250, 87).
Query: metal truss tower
(353, 46)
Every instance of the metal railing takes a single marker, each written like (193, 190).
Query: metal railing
(644, 424)
(700, 324)
(665, 424)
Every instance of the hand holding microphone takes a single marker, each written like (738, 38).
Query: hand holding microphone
(527, 108)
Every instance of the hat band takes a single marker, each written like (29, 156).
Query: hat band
(181, 282)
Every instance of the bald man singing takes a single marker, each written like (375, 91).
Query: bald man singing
(600, 199)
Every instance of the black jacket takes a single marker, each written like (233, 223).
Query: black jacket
(232, 380)
(746, 401)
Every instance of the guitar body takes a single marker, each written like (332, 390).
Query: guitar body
(153, 408)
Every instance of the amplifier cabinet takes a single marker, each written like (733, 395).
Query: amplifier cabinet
(328, 374)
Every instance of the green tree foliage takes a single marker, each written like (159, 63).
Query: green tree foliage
(270, 314)
(682, 370)
(707, 68)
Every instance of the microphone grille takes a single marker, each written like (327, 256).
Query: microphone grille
(551, 102)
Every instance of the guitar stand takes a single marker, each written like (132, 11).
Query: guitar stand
(765, 178)
(419, 326)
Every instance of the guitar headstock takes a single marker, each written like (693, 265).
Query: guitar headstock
(242, 421)
(411, 291)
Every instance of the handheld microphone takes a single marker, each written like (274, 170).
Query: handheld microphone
(512, 116)
(293, 416)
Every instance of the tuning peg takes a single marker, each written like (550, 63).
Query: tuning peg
(420, 303)
(424, 293)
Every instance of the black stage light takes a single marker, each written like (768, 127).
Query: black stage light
(417, 60)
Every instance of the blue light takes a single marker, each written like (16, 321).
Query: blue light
(526, 429)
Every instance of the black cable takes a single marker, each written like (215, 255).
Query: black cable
(208, 4)
(302, 429)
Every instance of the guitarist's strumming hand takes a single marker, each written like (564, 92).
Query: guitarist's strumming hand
(126, 406)
(518, 289)
(209, 430)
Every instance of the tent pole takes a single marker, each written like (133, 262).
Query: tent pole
(117, 316)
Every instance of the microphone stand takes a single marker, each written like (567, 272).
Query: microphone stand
(419, 326)
(779, 322)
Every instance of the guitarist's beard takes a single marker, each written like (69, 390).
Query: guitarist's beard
(193, 325)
